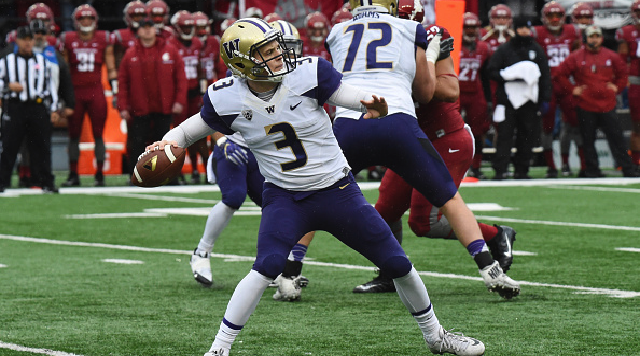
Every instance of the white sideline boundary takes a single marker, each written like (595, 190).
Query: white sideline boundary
(614, 293)
(16, 347)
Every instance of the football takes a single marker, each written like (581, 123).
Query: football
(158, 167)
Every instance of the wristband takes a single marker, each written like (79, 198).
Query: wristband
(114, 86)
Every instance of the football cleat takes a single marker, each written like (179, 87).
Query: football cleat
(72, 181)
(218, 351)
(456, 344)
(289, 289)
(566, 171)
(497, 281)
(380, 284)
(99, 180)
(201, 268)
(501, 246)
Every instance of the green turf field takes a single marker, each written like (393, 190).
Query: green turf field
(64, 286)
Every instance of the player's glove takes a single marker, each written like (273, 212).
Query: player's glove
(232, 152)
(446, 46)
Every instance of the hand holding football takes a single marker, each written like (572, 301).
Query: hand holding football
(157, 167)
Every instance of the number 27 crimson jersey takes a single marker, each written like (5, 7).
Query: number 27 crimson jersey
(290, 135)
(85, 57)
(472, 58)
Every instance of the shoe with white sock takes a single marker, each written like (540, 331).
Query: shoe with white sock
(289, 288)
(456, 344)
(201, 268)
(497, 281)
(218, 351)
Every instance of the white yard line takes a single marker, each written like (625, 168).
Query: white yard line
(16, 347)
(628, 249)
(614, 293)
(558, 223)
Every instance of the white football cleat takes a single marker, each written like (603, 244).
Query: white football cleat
(201, 268)
(288, 288)
(497, 281)
(456, 344)
(217, 351)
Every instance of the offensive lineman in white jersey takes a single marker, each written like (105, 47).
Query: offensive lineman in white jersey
(387, 54)
(276, 104)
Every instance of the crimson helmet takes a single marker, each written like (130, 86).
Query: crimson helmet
(582, 15)
(317, 26)
(226, 23)
(470, 25)
(272, 17)
(635, 12)
(159, 12)
(254, 12)
(40, 11)
(182, 21)
(410, 10)
(341, 15)
(203, 25)
(134, 9)
(500, 17)
(81, 12)
(553, 23)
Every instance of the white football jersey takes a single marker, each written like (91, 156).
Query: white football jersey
(290, 135)
(377, 51)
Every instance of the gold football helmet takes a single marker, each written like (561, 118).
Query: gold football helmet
(389, 5)
(290, 35)
(239, 49)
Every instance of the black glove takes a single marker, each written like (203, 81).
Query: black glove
(446, 46)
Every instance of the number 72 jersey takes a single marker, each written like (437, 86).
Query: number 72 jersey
(377, 51)
(291, 134)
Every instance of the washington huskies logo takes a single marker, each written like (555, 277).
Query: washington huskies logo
(248, 114)
(270, 109)
(230, 47)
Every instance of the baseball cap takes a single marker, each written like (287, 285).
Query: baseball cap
(24, 32)
(519, 22)
(593, 30)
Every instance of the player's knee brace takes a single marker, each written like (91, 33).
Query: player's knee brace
(271, 265)
(396, 266)
(234, 198)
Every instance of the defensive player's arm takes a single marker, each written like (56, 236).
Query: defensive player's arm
(447, 86)
(112, 73)
(424, 83)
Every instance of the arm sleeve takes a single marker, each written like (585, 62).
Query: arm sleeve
(565, 70)
(123, 82)
(349, 96)
(421, 37)
(189, 131)
(211, 118)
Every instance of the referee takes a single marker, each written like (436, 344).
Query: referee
(29, 106)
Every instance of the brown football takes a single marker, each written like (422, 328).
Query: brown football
(158, 167)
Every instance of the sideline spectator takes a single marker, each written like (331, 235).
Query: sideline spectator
(599, 75)
(153, 86)
(524, 89)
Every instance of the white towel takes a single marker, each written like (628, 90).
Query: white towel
(522, 82)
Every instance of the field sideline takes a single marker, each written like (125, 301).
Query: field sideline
(105, 272)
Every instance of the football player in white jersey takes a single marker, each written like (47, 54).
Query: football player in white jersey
(387, 54)
(276, 104)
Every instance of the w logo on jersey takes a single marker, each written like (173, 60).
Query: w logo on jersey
(270, 109)
(230, 47)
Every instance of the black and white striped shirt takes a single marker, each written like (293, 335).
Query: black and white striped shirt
(38, 76)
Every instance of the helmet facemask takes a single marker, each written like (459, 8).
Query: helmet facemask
(261, 70)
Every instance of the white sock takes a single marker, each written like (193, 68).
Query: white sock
(415, 297)
(243, 302)
(218, 219)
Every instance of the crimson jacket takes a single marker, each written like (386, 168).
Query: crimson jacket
(593, 70)
(169, 81)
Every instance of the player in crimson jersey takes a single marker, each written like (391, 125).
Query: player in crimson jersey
(440, 119)
(317, 30)
(500, 26)
(582, 15)
(475, 94)
(190, 47)
(124, 38)
(557, 39)
(159, 12)
(628, 38)
(341, 15)
(38, 11)
(86, 50)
